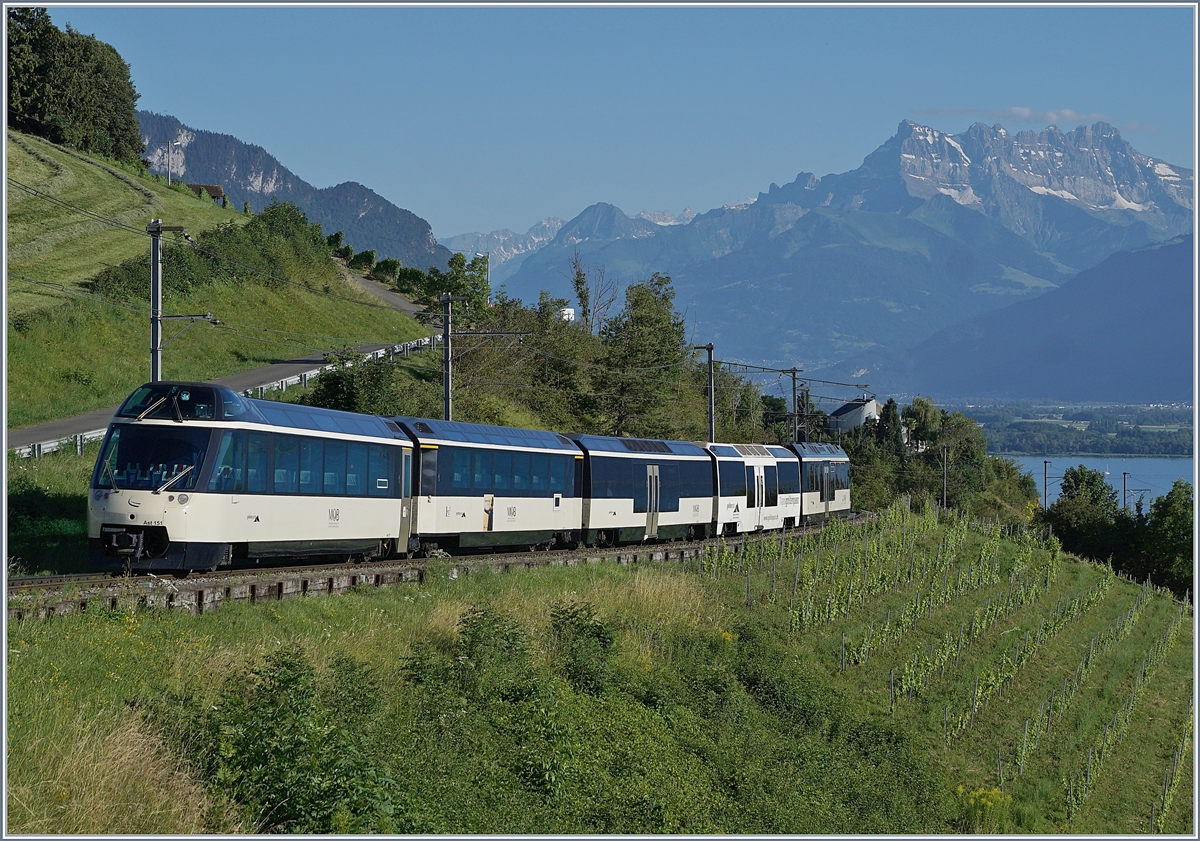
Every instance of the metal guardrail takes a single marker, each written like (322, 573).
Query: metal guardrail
(40, 448)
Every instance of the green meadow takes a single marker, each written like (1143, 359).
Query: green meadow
(82, 342)
(914, 674)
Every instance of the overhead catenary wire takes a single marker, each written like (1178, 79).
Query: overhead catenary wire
(68, 206)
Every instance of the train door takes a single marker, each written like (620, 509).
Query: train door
(652, 500)
(755, 491)
(404, 492)
(826, 485)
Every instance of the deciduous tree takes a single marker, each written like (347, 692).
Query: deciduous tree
(644, 349)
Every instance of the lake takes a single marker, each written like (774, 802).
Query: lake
(1148, 476)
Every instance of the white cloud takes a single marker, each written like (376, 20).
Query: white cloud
(1061, 117)
(1067, 116)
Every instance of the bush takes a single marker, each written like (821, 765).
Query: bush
(363, 261)
(584, 644)
(278, 242)
(386, 269)
(290, 746)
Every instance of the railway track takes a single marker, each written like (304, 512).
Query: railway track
(58, 595)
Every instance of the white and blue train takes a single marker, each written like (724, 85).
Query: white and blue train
(193, 476)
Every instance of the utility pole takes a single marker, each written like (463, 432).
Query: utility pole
(1045, 483)
(446, 299)
(1124, 492)
(712, 398)
(446, 401)
(796, 408)
(943, 476)
(155, 230)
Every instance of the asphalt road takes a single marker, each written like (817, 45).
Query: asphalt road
(266, 375)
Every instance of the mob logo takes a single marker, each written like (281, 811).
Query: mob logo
(335, 515)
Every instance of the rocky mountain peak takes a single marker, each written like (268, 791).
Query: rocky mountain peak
(503, 245)
(1019, 178)
(666, 217)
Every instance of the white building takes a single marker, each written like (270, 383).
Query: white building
(854, 414)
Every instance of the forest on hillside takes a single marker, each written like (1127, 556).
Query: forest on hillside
(70, 88)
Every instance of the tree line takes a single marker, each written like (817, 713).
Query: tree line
(923, 451)
(70, 88)
(626, 371)
(1157, 544)
(1103, 436)
(624, 367)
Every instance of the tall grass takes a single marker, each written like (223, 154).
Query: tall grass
(46, 514)
(607, 699)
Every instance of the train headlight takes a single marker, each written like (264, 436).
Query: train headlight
(183, 499)
(98, 495)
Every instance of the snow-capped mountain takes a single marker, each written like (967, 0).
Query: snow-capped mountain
(933, 228)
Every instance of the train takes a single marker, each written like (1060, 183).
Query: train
(194, 476)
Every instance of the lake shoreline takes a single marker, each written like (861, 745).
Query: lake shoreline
(1090, 455)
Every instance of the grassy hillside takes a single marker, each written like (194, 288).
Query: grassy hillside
(56, 244)
(71, 351)
(865, 682)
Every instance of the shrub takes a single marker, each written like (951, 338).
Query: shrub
(289, 747)
(584, 644)
(362, 261)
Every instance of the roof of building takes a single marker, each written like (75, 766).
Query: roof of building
(214, 190)
(850, 407)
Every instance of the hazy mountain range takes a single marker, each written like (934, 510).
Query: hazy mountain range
(931, 230)
(250, 173)
(1120, 331)
(507, 250)
(937, 266)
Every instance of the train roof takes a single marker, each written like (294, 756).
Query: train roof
(819, 451)
(429, 430)
(601, 443)
(295, 416)
(752, 450)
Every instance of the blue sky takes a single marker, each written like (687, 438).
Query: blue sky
(483, 118)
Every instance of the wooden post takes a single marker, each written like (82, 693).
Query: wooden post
(1024, 746)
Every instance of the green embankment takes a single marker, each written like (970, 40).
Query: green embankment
(56, 244)
(615, 699)
(70, 353)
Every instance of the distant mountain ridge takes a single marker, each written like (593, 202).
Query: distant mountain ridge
(1061, 345)
(506, 248)
(250, 173)
(933, 228)
(1080, 195)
